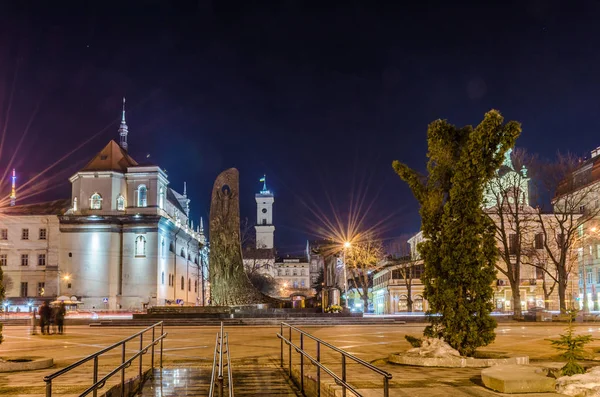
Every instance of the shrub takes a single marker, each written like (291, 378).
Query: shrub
(414, 342)
(571, 347)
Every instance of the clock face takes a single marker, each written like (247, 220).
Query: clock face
(511, 200)
(264, 210)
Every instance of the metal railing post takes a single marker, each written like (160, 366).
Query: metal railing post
(318, 369)
(141, 355)
(281, 354)
(123, 371)
(152, 357)
(302, 362)
(220, 377)
(386, 387)
(49, 388)
(290, 339)
(95, 393)
(344, 375)
(161, 343)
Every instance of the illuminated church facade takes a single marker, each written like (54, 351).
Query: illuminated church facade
(124, 240)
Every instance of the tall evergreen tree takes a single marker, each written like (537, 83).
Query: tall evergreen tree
(460, 251)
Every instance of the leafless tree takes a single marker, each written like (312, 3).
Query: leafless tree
(410, 268)
(507, 204)
(362, 259)
(574, 203)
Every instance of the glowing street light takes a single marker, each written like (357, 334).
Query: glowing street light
(347, 246)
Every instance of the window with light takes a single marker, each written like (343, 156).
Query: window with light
(120, 203)
(96, 202)
(142, 196)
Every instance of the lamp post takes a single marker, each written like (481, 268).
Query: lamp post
(586, 306)
(347, 245)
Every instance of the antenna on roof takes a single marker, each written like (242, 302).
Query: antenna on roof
(123, 130)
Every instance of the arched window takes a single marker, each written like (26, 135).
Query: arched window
(189, 284)
(120, 203)
(162, 278)
(196, 286)
(161, 198)
(140, 246)
(182, 283)
(182, 253)
(96, 202)
(75, 204)
(171, 247)
(142, 196)
(189, 257)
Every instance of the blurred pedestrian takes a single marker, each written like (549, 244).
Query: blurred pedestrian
(60, 317)
(33, 321)
(45, 315)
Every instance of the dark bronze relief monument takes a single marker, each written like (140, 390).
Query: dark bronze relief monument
(229, 285)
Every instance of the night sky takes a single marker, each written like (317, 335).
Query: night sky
(321, 96)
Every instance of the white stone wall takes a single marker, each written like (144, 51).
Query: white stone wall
(14, 247)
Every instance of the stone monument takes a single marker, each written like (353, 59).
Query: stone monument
(229, 285)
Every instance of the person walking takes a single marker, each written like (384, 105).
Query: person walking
(60, 317)
(45, 314)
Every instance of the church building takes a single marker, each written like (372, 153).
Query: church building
(124, 240)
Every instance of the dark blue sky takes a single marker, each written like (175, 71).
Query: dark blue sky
(319, 97)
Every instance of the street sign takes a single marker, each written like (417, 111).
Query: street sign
(105, 300)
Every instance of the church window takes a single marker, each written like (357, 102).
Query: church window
(162, 278)
(264, 221)
(182, 253)
(75, 204)
(140, 246)
(171, 247)
(120, 203)
(196, 286)
(96, 202)
(161, 199)
(189, 285)
(142, 196)
(182, 283)
(189, 257)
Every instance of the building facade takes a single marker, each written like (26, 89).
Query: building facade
(508, 191)
(123, 240)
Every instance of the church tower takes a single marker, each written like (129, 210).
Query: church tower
(123, 130)
(264, 217)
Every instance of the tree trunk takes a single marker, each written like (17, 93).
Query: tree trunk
(409, 301)
(516, 301)
(229, 284)
(562, 290)
(365, 299)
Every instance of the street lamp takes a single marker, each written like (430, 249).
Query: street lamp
(586, 306)
(347, 246)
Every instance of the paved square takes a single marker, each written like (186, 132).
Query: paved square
(257, 347)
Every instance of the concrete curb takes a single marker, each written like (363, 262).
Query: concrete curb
(454, 362)
(13, 364)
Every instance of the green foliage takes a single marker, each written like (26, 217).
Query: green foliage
(571, 347)
(459, 251)
(414, 342)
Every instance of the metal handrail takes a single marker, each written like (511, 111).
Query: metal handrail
(98, 384)
(221, 346)
(317, 362)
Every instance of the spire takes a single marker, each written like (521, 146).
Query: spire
(123, 129)
(185, 188)
(201, 232)
(13, 191)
